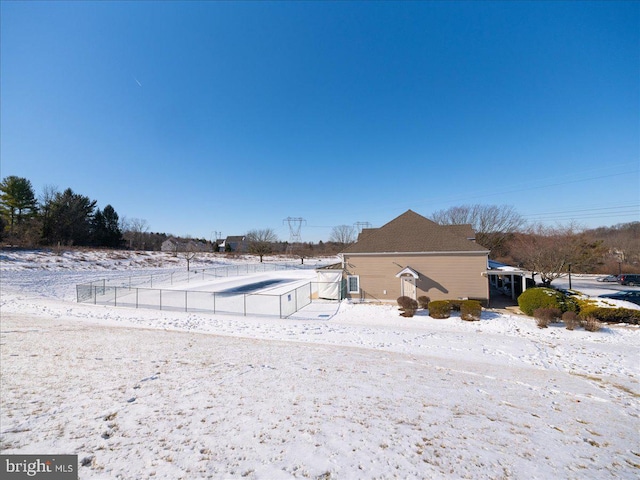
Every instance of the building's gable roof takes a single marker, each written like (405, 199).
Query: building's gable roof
(413, 233)
(236, 238)
(365, 232)
(465, 230)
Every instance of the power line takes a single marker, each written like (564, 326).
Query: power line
(295, 226)
(615, 210)
(521, 187)
(591, 212)
(361, 225)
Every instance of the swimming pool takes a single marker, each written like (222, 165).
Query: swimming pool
(255, 286)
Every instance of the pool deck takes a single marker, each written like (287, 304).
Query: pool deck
(317, 310)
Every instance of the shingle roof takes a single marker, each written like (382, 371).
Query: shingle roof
(465, 230)
(412, 233)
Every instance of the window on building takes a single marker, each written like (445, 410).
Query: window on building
(353, 284)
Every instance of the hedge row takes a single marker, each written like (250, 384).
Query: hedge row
(547, 298)
(470, 310)
(611, 315)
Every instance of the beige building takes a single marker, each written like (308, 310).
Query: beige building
(413, 256)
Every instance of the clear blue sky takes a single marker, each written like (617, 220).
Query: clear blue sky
(230, 116)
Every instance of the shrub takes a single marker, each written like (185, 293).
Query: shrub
(535, 298)
(456, 305)
(611, 315)
(591, 324)
(470, 310)
(546, 315)
(408, 306)
(552, 314)
(439, 309)
(423, 301)
(405, 302)
(542, 322)
(571, 320)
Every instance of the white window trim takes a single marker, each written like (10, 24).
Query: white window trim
(357, 277)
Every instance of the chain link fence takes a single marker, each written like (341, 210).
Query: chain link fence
(146, 291)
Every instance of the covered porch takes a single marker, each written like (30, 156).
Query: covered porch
(507, 282)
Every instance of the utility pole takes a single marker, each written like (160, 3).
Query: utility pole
(360, 225)
(215, 235)
(295, 225)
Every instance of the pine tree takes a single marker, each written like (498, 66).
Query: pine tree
(98, 229)
(113, 234)
(17, 200)
(70, 219)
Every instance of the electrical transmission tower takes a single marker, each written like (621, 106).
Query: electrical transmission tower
(295, 225)
(361, 225)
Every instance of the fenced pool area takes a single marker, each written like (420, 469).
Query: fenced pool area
(261, 289)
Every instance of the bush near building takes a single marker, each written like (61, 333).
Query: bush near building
(609, 315)
(571, 320)
(533, 298)
(440, 309)
(546, 298)
(408, 306)
(470, 310)
(546, 315)
(423, 301)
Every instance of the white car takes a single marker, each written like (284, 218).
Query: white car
(608, 278)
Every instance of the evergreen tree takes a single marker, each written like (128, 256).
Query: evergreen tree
(70, 219)
(98, 229)
(112, 233)
(17, 201)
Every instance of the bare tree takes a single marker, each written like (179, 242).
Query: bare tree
(622, 245)
(133, 231)
(343, 235)
(261, 242)
(189, 253)
(552, 252)
(493, 224)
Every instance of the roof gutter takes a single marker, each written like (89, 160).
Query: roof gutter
(456, 252)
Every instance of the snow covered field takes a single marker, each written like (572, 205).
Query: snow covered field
(366, 394)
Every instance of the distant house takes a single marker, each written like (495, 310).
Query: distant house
(414, 256)
(237, 243)
(175, 245)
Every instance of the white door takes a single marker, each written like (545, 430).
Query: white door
(408, 287)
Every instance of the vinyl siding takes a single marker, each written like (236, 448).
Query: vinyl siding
(442, 276)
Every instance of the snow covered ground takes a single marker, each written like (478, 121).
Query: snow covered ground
(365, 394)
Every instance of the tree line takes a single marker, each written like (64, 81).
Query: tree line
(68, 218)
(550, 251)
(57, 218)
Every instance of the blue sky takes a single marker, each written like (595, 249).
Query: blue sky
(204, 117)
